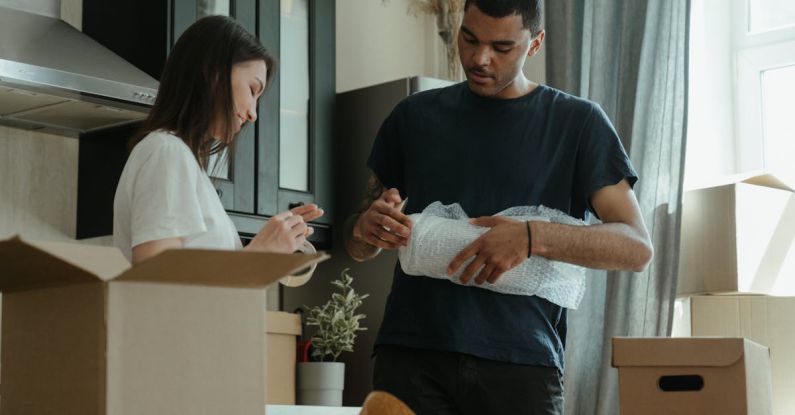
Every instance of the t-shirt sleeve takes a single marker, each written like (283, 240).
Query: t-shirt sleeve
(601, 158)
(164, 202)
(386, 156)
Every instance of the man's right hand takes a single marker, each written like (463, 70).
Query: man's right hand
(383, 225)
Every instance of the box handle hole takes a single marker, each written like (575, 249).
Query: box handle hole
(681, 383)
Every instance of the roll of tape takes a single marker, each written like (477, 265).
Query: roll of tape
(301, 278)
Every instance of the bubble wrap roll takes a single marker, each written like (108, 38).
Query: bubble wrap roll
(440, 232)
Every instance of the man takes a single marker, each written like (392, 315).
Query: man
(495, 141)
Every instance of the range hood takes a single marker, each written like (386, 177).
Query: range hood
(54, 77)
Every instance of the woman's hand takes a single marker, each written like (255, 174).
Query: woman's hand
(309, 212)
(287, 231)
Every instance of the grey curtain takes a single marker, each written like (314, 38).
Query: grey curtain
(630, 56)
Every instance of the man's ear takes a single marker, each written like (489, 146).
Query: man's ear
(535, 44)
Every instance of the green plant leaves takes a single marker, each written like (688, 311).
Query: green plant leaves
(336, 321)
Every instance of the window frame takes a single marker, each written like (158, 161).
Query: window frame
(753, 53)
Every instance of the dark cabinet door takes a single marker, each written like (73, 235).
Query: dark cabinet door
(295, 133)
(232, 174)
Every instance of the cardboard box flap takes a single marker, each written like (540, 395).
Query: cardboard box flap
(768, 180)
(28, 266)
(241, 269)
(104, 262)
(283, 323)
(664, 351)
(758, 178)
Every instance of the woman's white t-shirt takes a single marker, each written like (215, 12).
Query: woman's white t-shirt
(164, 193)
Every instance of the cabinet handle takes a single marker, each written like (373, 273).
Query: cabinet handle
(294, 205)
(220, 192)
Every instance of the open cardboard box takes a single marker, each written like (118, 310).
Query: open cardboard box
(83, 333)
(661, 376)
(739, 238)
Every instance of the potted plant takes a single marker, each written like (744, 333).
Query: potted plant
(321, 382)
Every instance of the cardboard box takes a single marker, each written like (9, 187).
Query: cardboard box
(282, 329)
(727, 376)
(181, 333)
(769, 321)
(738, 238)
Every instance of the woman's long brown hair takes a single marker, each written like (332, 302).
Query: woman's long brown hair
(195, 87)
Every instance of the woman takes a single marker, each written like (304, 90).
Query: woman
(209, 89)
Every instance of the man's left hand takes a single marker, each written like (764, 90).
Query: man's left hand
(501, 248)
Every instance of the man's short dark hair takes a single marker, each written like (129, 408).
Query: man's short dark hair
(530, 10)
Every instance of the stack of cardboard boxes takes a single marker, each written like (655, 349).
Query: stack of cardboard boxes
(737, 272)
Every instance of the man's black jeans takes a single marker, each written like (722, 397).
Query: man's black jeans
(432, 382)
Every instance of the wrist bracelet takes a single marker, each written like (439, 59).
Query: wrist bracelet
(529, 239)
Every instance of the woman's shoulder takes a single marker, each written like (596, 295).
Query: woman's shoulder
(161, 143)
(161, 140)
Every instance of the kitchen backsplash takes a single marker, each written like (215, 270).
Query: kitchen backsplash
(38, 186)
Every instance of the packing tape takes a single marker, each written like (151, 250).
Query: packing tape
(303, 275)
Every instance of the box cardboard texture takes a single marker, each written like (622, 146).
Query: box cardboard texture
(283, 329)
(83, 333)
(739, 238)
(734, 375)
(768, 321)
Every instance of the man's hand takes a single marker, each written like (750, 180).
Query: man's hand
(383, 225)
(501, 248)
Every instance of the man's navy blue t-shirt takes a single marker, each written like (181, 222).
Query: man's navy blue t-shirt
(545, 148)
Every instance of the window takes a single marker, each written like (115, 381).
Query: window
(742, 84)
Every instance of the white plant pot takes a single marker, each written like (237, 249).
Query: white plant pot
(320, 383)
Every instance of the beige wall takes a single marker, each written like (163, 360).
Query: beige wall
(38, 186)
(379, 41)
(534, 68)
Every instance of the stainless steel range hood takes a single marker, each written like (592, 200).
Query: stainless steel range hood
(54, 77)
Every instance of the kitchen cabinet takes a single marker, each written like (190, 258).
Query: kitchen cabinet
(283, 160)
(294, 156)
